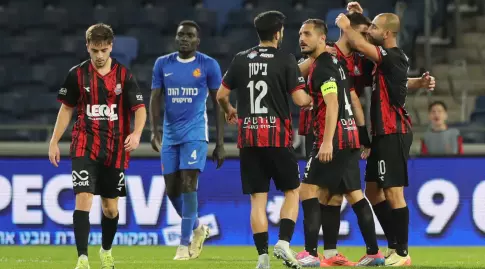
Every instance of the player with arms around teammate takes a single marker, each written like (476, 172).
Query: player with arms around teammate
(185, 79)
(386, 171)
(105, 94)
(263, 78)
(333, 167)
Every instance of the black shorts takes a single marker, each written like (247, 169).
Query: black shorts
(309, 140)
(388, 161)
(340, 176)
(260, 165)
(94, 177)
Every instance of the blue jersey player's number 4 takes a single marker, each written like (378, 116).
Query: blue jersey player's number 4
(262, 87)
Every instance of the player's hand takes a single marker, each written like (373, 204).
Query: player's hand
(331, 50)
(231, 117)
(365, 153)
(132, 142)
(156, 141)
(428, 82)
(218, 155)
(54, 154)
(325, 153)
(354, 7)
(342, 21)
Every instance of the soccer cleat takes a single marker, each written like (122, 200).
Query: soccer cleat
(339, 260)
(389, 252)
(263, 262)
(372, 260)
(307, 260)
(82, 263)
(107, 261)
(200, 235)
(396, 260)
(182, 254)
(283, 252)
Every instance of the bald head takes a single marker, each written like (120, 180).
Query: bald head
(389, 22)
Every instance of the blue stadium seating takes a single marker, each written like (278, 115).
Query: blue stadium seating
(125, 49)
(480, 103)
(108, 15)
(333, 34)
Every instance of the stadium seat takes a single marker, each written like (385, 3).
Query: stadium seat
(280, 5)
(127, 46)
(23, 46)
(154, 48)
(174, 5)
(9, 19)
(215, 46)
(480, 103)
(333, 34)
(239, 18)
(333, 14)
(75, 45)
(297, 18)
(143, 75)
(122, 58)
(478, 116)
(59, 18)
(146, 17)
(474, 136)
(47, 75)
(13, 103)
(63, 63)
(20, 74)
(3, 78)
(108, 15)
(44, 102)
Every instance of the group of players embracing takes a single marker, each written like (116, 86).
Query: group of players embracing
(106, 95)
(326, 85)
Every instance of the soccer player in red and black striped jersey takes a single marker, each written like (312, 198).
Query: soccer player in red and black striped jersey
(386, 171)
(333, 166)
(105, 94)
(264, 78)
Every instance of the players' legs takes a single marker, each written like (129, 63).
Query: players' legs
(311, 216)
(330, 218)
(190, 203)
(375, 195)
(400, 217)
(84, 201)
(109, 221)
(259, 221)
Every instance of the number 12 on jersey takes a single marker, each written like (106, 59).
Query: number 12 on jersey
(262, 87)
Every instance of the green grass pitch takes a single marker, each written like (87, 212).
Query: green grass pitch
(213, 257)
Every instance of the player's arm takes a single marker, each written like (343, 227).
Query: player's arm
(329, 93)
(305, 66)
(156, 102)
(296, 84)
(68, 95)
(135, 104)
(214, 79)
(357, 41)
(360, 119)
(426, 81)
(229, 82)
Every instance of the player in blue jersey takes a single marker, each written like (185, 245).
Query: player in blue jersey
(185, 79)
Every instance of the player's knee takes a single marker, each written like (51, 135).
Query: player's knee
(373, 193)
(335, 200)
(308, 191)
(395, 196)
(292, 194)
(84, 201)
(189, 181)
(259, 200)
(110, 211)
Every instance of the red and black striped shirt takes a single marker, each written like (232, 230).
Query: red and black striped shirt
(328, 69)
(263, 77)
(360, 70)
(389, 91)
(104, 109)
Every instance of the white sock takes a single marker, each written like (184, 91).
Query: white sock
(283, 243)
(105, 251)
(330, 253)
(83, 257)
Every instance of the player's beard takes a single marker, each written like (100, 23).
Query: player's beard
(375, 41)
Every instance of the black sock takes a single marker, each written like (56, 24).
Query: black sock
(330, 216)
(287, 227)
(366, 225)
(261, 242)
(383, 213)
(401, 222)
(81, 231)
(108, 229)
(311, 225)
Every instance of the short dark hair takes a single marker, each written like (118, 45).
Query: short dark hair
(356, 19)
(319, 25)
(269, 23)
(437, 103)
(191, 24)
(100, 33)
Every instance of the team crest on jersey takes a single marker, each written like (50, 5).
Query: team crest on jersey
(335, 61)
(197, 73)
(356, 70)
(118, 89)
(252, 54)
